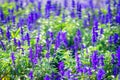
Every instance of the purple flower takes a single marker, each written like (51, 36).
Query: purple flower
(21, 22)
(85, 70)
(110, 39)
(13, 58)
(61, 68)
(47, 77)
(79, 35)
(114, 3)
(116, 37)
(79, 11)
(38, 50)
(101, 60)
(28, 38)
(115, 70)
(13, 19)
(31, 54)
(64, 38)
(1, 32)
(89, 71)
(85, 23)
(35, 60)
(48, 42)
(17, 7)
(63, 17)
(19, 43)
(1, 15)
(3, 46)
(78, 63)
(50, 35)
(31, 75)
(73, 3)
(101, 31)
(29, 27)
(32, 1)
(58, 40)
(47, 55)
(15, 41)
(58, 11)
(118, 18)
(118, 55)
(39, 7)
(76, 41)
(68, 74)
(8, 34)
(11, 11)
(72, 14)
(47, 9)
(37, 39)
(100, 74)
(65, 4)
(91, 4)
(54, 7)
(113, 56)
(94, 59)
(94, 32)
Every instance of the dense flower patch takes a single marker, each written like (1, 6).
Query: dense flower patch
(59, 42)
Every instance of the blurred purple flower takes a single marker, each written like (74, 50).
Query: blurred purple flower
(32, 1)
(101, 31)
(64, 38)
(118, 55)
(35, 60)
(58, 40)
(115, 70)
(19, 43)
(47, 77)
(58, 11)
(3, 45)
(31, 55)
(17, 7)
(101, 60)
(8, 34)
(55, 7)
(47, 9)
(78, 63)
(73, 3)
(1, 32)
(68, 74)
(28, 38)
(13, 58)
(94, 35)
(116, 38)
(100, 74)
(65, 4)
(85, 23)
(79, 10)
(13, 19)
(77, 40)
(1, 15)
(48, 55)
(72, 14)
(61, 68)
(15, 41)
(31, 75)
(94, 59)
(89, 71)
(110, 39)
(113, 56)
(39, 8)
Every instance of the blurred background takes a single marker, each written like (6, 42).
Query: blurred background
(97, 3)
